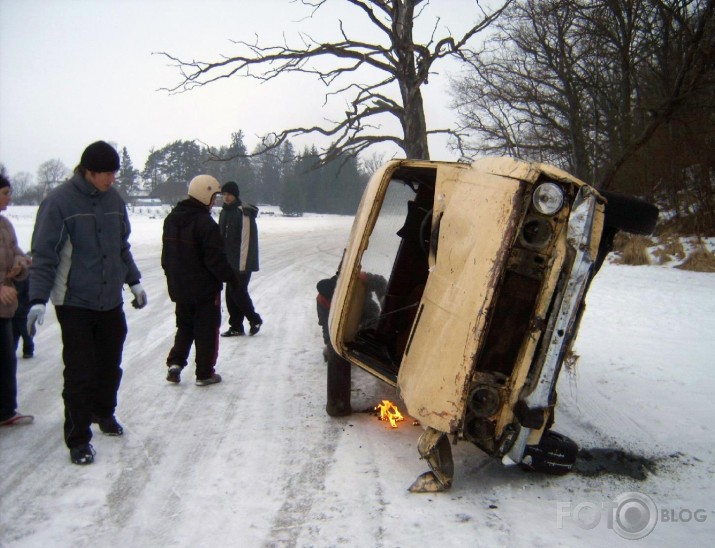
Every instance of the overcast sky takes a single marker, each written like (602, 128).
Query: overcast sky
(75, 71)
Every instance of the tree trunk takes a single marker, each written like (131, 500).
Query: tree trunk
(414, 126)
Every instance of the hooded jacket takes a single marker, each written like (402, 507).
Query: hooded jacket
(237, 223)
(80, 248)
(192, 255)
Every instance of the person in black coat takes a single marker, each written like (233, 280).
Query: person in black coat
(195, 266)
(239, 230)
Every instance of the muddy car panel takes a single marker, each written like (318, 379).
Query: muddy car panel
(436, 365)
(481, 295)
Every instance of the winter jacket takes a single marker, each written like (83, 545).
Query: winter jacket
(10, 256)
(193, 256)
(237, 223)
(80, 248)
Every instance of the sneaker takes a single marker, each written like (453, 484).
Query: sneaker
(213, 379)
(17, 419)
(231, 332)
(174, 374)
(109, 426)
(255, 326)
(82, 454)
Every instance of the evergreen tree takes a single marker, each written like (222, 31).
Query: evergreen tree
(127, 176)
(240, 169)
(345, 184)
(270, 171)
(296, 191)
(152, 173)
(333, 187)
(232, 163)
(177, 162)
(268, 176)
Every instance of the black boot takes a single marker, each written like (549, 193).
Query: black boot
(256, 324)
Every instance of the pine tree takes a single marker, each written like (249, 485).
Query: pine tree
(127, 177)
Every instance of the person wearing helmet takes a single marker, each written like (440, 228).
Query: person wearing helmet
(195, 265)
(81, 260)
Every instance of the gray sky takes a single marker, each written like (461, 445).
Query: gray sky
(75, 71)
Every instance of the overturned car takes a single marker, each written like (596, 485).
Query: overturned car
(462, 285)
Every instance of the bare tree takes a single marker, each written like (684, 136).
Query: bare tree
(22, 187)
(370, 163)
(586, 85)
(50, 174)
(402, 67)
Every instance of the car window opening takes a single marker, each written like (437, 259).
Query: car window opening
(395, 267)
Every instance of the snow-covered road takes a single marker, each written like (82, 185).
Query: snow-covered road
(255, 461)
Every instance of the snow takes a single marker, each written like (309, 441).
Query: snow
(255, 461)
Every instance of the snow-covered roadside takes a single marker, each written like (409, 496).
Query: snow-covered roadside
(256, 462)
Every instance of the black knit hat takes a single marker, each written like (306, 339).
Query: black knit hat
(4, 181)
(100, 157)
(231, 188)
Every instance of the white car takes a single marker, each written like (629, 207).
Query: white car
(462, 285)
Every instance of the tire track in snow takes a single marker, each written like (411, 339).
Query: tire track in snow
(300, 474)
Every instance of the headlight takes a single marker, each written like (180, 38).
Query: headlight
(484, 400)
(536, 232)
(548, 198)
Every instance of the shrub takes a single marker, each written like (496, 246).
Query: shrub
(700, 260)
(632, 249)
(671, 249)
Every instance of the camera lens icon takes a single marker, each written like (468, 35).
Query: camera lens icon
(634, 516)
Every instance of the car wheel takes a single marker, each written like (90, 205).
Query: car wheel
(555, 454)
(629, 214)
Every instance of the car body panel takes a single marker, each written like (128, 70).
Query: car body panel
(436, 366)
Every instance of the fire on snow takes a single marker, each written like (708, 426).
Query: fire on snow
(389, 412)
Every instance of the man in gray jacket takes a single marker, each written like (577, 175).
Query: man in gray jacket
(81, 260)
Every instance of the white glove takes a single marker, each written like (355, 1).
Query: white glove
(36, 315)
(140, 298)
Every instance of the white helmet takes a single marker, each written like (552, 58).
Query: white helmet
(203, 188)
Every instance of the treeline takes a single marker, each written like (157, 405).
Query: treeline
(297, 182)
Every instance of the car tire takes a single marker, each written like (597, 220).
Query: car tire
(555, 454)
(629, 214)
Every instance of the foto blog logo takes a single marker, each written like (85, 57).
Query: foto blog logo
(631, 515)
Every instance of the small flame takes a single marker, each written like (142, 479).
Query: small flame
(389, 412)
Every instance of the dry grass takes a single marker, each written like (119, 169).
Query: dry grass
(700, 260)
(632, 249)
(669, 250)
